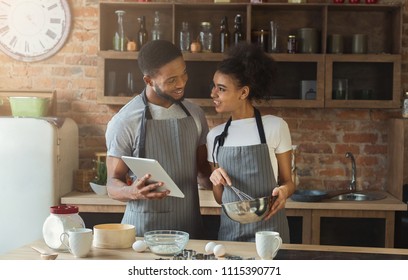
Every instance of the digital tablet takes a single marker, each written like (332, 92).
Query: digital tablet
(142, 166)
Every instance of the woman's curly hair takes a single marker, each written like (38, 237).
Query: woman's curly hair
(250, 66)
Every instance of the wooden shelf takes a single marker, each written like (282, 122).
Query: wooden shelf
(383, 23)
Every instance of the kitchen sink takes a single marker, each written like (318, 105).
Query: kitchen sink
(360, 196)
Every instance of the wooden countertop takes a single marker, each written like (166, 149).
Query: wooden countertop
(242, 249)
(89, 201)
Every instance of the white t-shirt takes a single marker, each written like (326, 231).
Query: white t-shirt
(245, 133)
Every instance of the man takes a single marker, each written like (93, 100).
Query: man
(159, 124)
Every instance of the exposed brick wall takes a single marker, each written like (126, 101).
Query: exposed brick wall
(323, 135)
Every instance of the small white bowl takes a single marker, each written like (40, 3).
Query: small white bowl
(98, 189)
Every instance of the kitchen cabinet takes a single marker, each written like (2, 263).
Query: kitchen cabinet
(374, 78)
(311, 214)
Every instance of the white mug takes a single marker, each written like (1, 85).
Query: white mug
(268, 244)
(79, 241)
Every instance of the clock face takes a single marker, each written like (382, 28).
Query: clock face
(33, 30)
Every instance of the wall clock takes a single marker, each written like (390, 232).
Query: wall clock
(33, 30)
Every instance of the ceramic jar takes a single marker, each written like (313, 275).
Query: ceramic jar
(61, 219)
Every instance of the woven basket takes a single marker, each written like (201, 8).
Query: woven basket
(82, 179)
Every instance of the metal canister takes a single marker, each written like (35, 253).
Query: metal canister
(292, 44)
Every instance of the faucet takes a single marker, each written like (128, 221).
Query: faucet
(353, 185)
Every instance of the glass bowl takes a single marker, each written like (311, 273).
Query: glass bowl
(166, 242)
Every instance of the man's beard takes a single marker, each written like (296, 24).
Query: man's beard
(161, 94)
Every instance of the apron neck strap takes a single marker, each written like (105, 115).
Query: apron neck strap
(184, 108)
(220, 139)
(146, 115)
(259, 124)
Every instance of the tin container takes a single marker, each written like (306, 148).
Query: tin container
(292, 44)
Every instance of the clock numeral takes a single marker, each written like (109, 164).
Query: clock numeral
(4, 30)
(52, 7)
(41, 43)
(13, 42)
(51, 34)
(3, 17)
(55, 20)
(27, 47)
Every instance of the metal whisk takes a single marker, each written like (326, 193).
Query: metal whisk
(241, 195)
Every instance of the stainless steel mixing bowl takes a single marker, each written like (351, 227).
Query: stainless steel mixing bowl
(249, 211)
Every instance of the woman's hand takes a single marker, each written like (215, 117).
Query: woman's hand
(279, 194)
(220, 177)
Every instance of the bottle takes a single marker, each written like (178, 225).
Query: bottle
(156, 30)
(405, 106)
(224, 35)
(61, 219)
(142, 34)
(206, 37)
(119, 37)
(185, 37)
(238, 34)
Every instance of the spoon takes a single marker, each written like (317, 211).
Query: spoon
(45, 255)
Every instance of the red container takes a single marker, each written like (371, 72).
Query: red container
(354, 1)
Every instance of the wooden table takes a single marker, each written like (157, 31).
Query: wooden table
(310, 212)
(244, 250)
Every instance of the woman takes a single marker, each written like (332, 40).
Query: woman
(249, 151)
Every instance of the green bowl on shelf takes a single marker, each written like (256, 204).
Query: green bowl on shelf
(25, 106)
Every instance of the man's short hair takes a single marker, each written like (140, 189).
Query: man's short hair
(155, 54)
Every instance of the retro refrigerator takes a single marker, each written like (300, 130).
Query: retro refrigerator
(38, 157)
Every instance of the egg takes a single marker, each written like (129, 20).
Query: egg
(219, 250)
(209, 247)
(139, 246)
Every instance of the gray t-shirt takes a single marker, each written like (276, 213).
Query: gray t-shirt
(122, 133)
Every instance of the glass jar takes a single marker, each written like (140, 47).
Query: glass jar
(61, 219)
(206, 37)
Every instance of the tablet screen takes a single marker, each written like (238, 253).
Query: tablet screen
(142, 166)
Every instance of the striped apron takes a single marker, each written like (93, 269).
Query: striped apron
(172, 142)
(251, 171)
